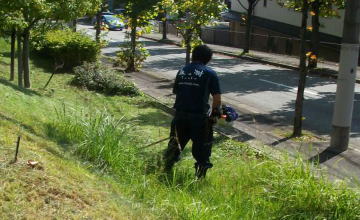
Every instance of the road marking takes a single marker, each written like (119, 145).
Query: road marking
(230, 100)
(289, 87)
(354, 149)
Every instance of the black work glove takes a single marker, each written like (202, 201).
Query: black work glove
(215, 115)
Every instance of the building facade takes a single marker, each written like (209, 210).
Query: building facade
(277, 29)
(271, 11)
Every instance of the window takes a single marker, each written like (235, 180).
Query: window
(265, 3)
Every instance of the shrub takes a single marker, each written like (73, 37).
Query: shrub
(72, 48)
(38, 33)
(97, 77)
(124, 55)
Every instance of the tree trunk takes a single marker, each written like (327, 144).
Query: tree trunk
(131, 65)
(98, 27)
(20, 60)
(74, 23)
(188, 52)
(12, 66)
(303, 72)
(315, 39)
(248, 27)
(187, 38)
(164, 23)
(188, 45)
(26, 58)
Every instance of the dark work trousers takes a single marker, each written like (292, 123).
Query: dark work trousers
(185, 127)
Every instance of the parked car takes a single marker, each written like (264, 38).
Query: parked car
(93, 21)
(107, 13)
(112, 22)
(119, 11)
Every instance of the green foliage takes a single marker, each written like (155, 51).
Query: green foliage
(197, 13)
(194, 41)
(5, 46)
(328, 8)
(125, 55)
(9, 20)
(139, 12)
(72, 48)
(38, 33)
(71, 9)
(96, 77)
(32, 11)
(26, 14)
(192, 15)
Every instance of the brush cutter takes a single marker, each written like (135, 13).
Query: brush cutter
(227, 113)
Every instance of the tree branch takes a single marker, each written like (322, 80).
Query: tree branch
(32, 23)
(255, 3)
(241, 4)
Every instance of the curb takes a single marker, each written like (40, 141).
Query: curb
(259, 60)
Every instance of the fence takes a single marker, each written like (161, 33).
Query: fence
(261, 41)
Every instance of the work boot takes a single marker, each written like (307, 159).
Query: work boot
(201, 169)
(170, 161)
(168, 166)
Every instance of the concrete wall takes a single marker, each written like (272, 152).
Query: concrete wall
(261, 40)
(274, 42)
(273, 11)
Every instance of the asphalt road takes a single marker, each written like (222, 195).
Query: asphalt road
(265, 91)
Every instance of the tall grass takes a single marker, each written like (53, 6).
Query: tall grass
(242, 185)
(108, 143)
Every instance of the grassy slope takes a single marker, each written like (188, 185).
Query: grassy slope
(61, 187)
(241, 184)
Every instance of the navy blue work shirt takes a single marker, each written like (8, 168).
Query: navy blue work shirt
(193, 85)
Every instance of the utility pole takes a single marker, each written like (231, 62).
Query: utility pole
(349, 58)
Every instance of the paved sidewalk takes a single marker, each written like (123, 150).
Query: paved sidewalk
(325, 68)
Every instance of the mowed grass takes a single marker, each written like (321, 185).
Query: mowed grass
(93, 164)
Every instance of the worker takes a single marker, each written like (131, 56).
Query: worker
(194, 119)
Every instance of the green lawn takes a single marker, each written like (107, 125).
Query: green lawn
(92, 164)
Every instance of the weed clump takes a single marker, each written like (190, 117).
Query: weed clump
(108, 143)
(97, 77)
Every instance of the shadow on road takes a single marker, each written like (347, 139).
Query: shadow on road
(275, 143)
(170, 64)
(317, 110)
(166, 51)
(324, 156)
(241, 77)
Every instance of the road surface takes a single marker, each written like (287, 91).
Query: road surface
(256, 89)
